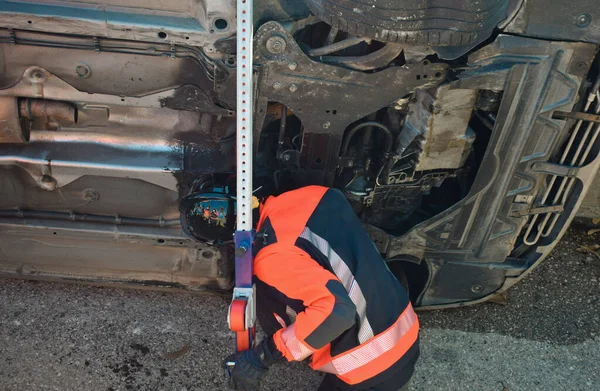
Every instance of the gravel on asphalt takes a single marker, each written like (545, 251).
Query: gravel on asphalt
(71, 337)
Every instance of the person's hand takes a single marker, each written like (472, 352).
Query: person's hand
(247, 371)
(251, 365)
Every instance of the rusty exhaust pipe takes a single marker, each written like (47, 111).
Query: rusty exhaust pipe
(55, 113)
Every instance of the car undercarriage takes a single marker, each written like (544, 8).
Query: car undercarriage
(463, 133)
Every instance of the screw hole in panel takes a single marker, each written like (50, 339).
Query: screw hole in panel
(221, 24)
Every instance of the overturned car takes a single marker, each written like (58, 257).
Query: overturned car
(463, 133)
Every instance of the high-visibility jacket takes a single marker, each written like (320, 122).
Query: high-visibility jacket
(324, 291)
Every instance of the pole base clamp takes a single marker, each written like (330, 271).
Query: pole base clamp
(242, 317)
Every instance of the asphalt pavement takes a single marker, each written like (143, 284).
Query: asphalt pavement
(546, 336)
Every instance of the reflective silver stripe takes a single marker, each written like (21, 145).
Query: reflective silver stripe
(365, 332)
(365, 353)
(377, 346)
(299, 350)
(344, 274)
(291, 313)
(280, 320)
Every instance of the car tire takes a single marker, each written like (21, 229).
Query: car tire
(414, 22)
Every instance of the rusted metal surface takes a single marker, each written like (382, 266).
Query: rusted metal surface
(53, 114)
(323, 96)
(200, 23)
(441, 118)
(150, 75)
(127, 68)
(37, 82)
(123, 154)
(103, 253)
(577, 116)
(10, 128)
(377, 59)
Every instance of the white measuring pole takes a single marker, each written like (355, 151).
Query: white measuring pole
(242, 311)
(244, 114)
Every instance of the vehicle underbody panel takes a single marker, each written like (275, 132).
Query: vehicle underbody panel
(466, 156)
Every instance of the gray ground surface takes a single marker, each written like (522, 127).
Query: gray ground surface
(67, 337)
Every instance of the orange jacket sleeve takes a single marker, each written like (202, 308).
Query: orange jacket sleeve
(329, 311)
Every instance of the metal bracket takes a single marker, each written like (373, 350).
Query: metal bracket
(555, 169)
(248, 295)
(540, 210)
(577, 116)
(346, 161)
(97, 47)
